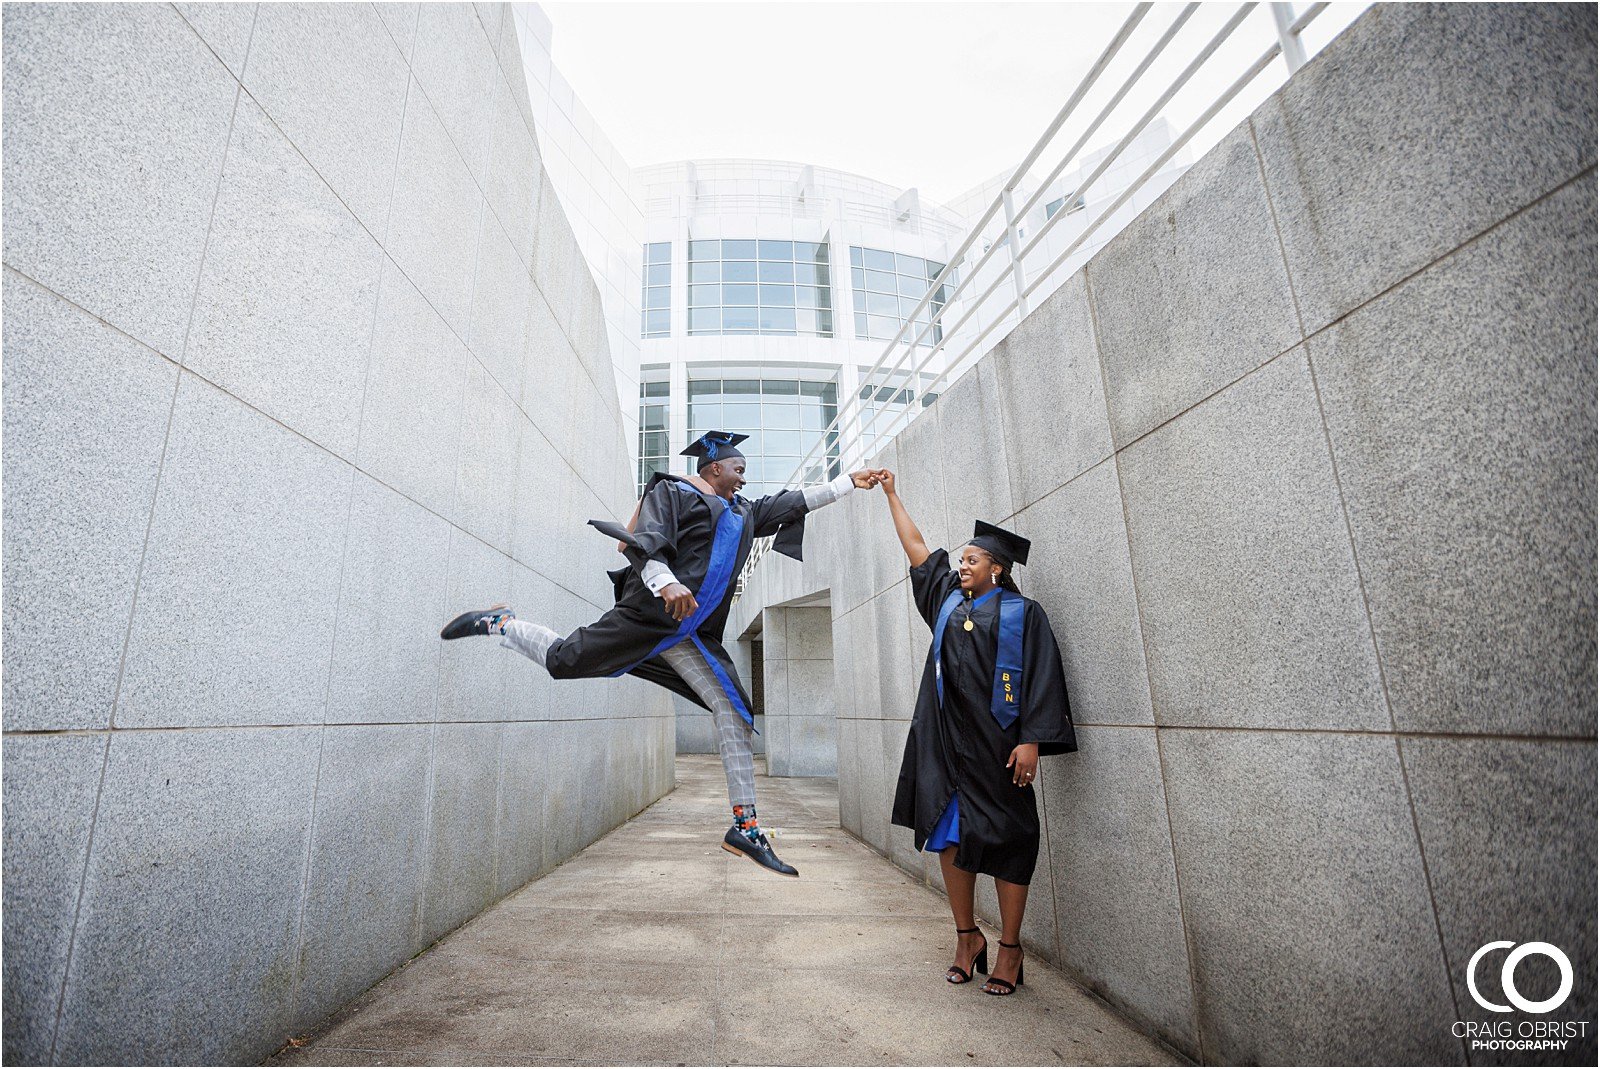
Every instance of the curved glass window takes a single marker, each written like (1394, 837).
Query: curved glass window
(653, 451)
(739, 320)
(887, 286)
(656, 301)
(753, 286)
(784, 418)
(1059, 203)
(888, 404)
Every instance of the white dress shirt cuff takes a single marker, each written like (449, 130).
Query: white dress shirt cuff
(829, 492)
(657, 576)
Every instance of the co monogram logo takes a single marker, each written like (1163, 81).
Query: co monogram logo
(1508, 978)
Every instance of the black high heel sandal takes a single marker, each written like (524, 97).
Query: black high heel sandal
(980, 963)
(989, 988)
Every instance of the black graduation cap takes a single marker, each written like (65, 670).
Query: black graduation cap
(713, 446)
(1000, 544)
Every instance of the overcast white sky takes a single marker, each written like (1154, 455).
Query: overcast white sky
(935, 95)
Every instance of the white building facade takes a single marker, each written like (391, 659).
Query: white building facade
(772, 292)
(597, 192)
(765, 297)
(771, 289)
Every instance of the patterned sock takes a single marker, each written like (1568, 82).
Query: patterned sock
(744, 818)
(497, 622)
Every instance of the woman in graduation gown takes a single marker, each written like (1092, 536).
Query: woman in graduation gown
(993, 700)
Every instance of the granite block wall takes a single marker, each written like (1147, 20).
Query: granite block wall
(298, 348)
(1307, 455)
(797, 650)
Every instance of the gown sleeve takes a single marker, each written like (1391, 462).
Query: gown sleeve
(1046, 717)
(769, 513)
(655, 534)
(782, 514)
(931, 582)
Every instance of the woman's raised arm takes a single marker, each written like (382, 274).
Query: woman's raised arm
(910, 538)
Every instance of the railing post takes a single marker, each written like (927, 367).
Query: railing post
(1294, 51)
(848, 428)
(1014, 245)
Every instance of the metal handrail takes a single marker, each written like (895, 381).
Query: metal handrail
(830, 442)
(1019, 256)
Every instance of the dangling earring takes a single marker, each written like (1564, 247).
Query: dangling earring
(994, 577)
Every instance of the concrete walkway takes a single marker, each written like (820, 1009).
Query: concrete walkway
(654, 946)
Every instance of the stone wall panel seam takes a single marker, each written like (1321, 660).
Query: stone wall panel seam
(1218, 392)
(1110, 458)
(173, 405)
(77, 909)
(264, 415)
(378, 239)
(427, 836)
(344, 560)
(405, 51)
(511, 84)
(499, 788)
(205, 246)
(1433, 898)
(1183, 909)
(1277, 229)
(1554, 191)
(482, 192)
(394, 182)
(249, 39)
(461, 155)
(1195, 1016)
(1327, 436)
(1050, 868)
(298, 947)
(138, 575)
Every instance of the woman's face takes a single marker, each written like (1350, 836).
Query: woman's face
(975, 568)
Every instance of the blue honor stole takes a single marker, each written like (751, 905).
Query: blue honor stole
(719, 572)
(1005, 704)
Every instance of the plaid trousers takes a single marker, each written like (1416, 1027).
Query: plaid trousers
(733, 734)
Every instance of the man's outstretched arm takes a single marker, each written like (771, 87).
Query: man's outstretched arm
(829, 492)
(786, 506)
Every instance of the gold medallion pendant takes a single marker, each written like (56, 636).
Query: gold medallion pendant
(967, 626)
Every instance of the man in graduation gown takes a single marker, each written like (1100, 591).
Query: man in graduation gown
(685, 547)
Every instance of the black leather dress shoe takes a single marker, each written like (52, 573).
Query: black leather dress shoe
(736, 842)
(476, 622)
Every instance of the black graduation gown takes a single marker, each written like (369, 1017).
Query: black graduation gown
(688, 532)
(961, 748)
